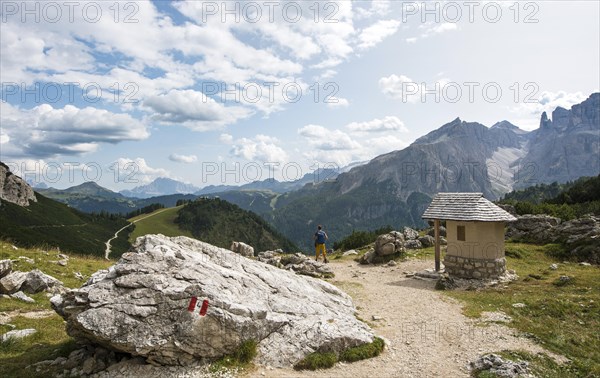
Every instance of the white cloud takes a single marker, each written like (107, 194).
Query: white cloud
(377, 32)
(339, 147)
(194, 110)
(44, 131)
(322, 138)
(137, 171)
(377, 8)
(188, 159)
(409, 91)
(430, 29)
(337, 102)
(226, 138)
(262, 148)
(388, 123)
(400, 87)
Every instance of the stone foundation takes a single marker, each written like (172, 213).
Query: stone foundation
(464, 267)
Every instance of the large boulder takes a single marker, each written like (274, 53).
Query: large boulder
(533, 228)
(431, 231)
(413, 244)
(242, 248)
(37, 281)
(410, 234)
(14, 189)
(388, 244)
(144, 305)
(5, 267)
(12, 282)
(427, 241)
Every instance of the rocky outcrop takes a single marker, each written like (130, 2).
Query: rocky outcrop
(31, 282)
(410, 234)
(299, 263)
(387, 246)
(177, 300)
(499, 367)
(533, 228)
(427, 241)
(242, 248)
(581, 236)
(431, 231)
(13, 188)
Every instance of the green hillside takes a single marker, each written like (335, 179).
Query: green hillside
(565, 201)
(90, 197)
(219, 223)
(161, 221)
(261, 202)
(53, 224)
(371, 206)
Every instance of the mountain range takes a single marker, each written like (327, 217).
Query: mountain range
(394, 188)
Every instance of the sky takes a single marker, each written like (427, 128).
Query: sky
(226, 92)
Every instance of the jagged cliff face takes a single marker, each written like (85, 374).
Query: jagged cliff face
(460, 156)
(14, 189)
(567, 146)
(467, 156)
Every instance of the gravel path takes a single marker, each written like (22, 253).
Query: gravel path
(426, 334)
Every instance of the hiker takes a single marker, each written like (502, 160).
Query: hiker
(320, 237)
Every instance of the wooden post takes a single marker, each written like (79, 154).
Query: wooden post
(436, 228)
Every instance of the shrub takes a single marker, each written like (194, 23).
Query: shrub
(364, 351)
(316, 361)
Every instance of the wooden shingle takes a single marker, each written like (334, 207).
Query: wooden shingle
(465, 207)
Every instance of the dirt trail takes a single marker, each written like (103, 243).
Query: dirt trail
(425, 331)
(108, 247)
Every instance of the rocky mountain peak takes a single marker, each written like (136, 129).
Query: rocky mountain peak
(545, 123)
(13, 188)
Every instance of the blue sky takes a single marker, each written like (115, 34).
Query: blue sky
(122, 93)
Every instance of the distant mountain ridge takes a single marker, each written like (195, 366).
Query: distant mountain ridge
(160, 187)
(460, 156)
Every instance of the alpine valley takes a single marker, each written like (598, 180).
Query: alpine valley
(394, 188)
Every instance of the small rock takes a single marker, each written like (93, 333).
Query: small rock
(350, 252)
(376, 317)
(585, 264)
(392, 263)
(14, 247)
(519, 305)
(21, 296)
(553, 267)
(27, 259)
(62, 262)
(63, 256)
(18, 334)
(78, 275)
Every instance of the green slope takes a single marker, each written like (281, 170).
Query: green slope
(213, 221)
(53, 224)
(161, 221)
(219, 223)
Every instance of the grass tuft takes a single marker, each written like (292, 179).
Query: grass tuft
(316, 361)
(240, 359)
(364, 351)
